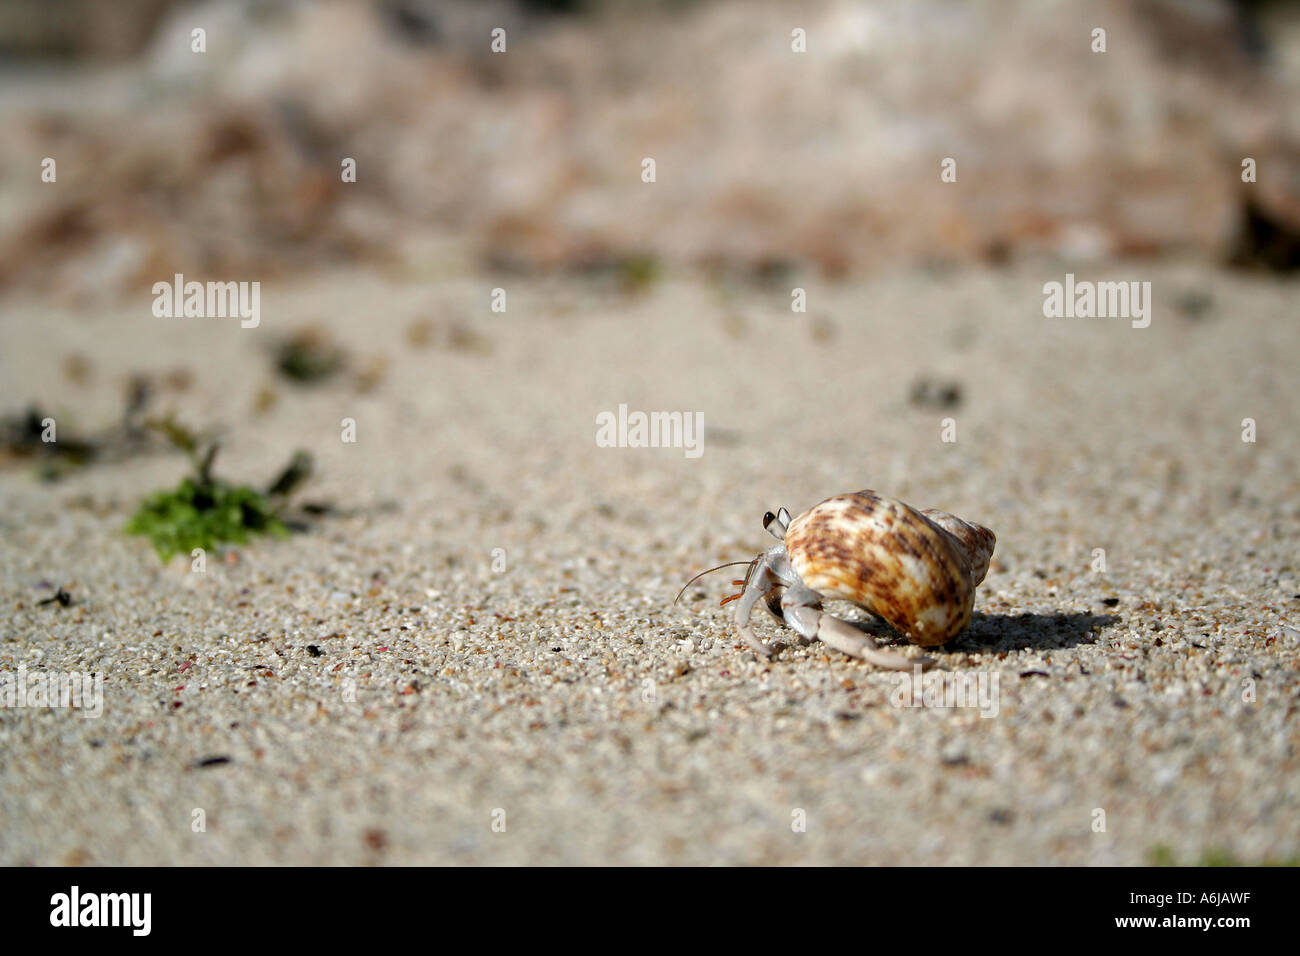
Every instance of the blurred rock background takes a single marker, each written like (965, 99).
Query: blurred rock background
(227, 163)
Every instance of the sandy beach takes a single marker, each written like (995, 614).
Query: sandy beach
(475, 658)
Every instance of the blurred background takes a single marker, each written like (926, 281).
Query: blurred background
(229, 161)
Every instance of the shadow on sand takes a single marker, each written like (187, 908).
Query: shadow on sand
(1010, 632)
(1032, 630)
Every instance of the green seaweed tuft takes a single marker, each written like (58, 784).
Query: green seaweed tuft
(203, 516)
(204, 511)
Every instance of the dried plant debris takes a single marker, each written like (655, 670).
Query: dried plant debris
(420, 333)
(463, 337)
(629, 273)
(45, 438)
(78, 369)
(309, 356)
(295, 473)
(452, 335)
(265, 400)
(935, 393)
(61, 597)
(821, 330)
(372, 373)
(35, 434)
(637, 273)
(1195, 305)
(204, 511)
(1266, 239)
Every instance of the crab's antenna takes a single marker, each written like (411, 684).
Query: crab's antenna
(729, 564)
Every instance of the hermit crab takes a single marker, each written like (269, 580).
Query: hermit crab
(916, 570)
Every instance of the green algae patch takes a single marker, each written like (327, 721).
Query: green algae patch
(194, 515)
(204, 511)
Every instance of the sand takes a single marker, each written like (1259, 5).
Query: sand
(381, 693)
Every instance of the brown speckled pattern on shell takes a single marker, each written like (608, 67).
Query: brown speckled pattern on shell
(917, 570)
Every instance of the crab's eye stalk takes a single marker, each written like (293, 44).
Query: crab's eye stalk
(776, 524)
(768, 518)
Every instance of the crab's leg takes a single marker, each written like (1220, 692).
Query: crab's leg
(760, 585)
(845, 637)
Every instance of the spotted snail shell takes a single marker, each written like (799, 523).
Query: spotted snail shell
(917, 570)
